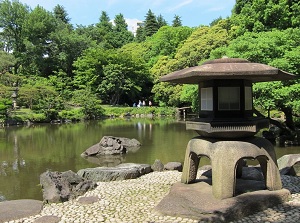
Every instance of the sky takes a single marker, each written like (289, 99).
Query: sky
(192, 12)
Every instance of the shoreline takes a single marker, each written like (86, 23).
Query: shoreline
(135, 201)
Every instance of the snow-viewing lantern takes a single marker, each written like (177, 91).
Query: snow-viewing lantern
(227, 122)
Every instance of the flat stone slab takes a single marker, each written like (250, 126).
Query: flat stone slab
(16, 209)
(197, 201)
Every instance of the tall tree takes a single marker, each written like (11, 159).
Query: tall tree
(104, 22)
(103, 31)
(140, 33)
(120, 34)
(161, 21)
(61, 14)
(12, 17)
(151, 25)
(176, 21)
(38, 26)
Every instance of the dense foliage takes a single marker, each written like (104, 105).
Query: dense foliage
(57, 66)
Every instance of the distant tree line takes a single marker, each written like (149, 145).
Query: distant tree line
(58, 66)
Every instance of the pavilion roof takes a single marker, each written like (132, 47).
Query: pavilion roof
(228, 68)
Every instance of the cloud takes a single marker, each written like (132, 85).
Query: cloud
(180, 5)
(132, 24)
(215, 9)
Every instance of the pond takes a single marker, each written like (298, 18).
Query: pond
(28, 151)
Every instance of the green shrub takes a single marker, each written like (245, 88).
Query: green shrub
(72, 115)
(122, 111)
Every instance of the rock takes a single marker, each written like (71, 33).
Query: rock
(48, 219)
(105, 160)
(196, 201)
(110, 145)
(60, 187)
(17, 209)
(289, 164)
(157, 166)
(88, 200)
(295, 171)
(252, 173)
(173, 166)
(121, 172)
(248, 173)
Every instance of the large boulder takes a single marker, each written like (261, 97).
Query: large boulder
(110, 145)
(289, 164)
(62, 186)
(121, 172)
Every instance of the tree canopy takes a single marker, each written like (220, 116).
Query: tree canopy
(110, 64)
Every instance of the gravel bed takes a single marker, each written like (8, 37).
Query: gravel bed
(134, 201)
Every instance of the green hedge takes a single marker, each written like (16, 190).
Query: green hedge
(123, 111)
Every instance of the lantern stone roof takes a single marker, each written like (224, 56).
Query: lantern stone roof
(228, 68)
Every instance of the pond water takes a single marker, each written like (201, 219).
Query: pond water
(27, 152)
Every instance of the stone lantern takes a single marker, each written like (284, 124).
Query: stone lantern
(227, 124)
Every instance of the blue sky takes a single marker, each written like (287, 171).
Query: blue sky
(192, 12)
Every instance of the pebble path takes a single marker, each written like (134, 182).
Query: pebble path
(131, 201)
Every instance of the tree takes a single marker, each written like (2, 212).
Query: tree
(5, 105)
(200, 43)
(38, 26)
(104, 22)
(65, 47)
(176, 21)
(89, 103)
(140, 33)
(123, 78)
(120, 34)
(7, 60)
(276, 48)
(215, 21)
(190, 52)
(89, 68)
(12, 17)
(265, 15)
(161, 21)
(167, 39)
(61, 14)
(151, 25)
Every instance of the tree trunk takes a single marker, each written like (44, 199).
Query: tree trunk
(289, 118)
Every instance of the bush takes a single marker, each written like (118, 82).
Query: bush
(122, 111)
(72, 115)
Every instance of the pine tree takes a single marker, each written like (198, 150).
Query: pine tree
(151, 25)
(161, 21)
(104, 22)
(140, 33)
(61, 14)
(120, 35)
(177, 21)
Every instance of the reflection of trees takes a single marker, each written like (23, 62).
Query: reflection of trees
(17, 162)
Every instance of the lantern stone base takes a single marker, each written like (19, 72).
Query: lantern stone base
(226, 158)
(196, 201)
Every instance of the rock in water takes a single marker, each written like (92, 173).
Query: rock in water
(110, 145)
